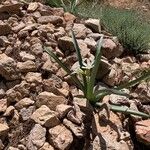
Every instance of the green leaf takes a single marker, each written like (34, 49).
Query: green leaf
(76, 46)
(108, 91)
(75, 79)
(145, 76)
(96, 64)
(125, 110)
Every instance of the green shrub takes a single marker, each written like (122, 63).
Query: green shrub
(88, 70)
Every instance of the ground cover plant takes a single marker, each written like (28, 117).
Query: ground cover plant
(88, 70)
(132, 32)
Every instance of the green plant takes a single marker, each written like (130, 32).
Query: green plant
(68, 5)
(132, 31)
(88, 70)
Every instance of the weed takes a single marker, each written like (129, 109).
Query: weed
(88, 70)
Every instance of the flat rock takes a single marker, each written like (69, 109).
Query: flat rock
(3, 105)
(63, 109)
(50, 19)
(36, 138)
(26, 66)
(33, 77)
(32, 7)
(61, 137)
(45, 116)
(142, 129)
(50, 100)
(8, 67)
(93, 24)
(78, 130)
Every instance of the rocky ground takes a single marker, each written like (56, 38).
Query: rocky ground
(39, 105)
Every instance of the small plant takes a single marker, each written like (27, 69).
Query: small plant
(88, 70)
(132, 33)
(68, 5)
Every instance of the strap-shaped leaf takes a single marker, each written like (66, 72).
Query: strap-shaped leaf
(108, 91)
(62, 65)
(145, 76)
(96, 63)
(76, 46)
(125, 110)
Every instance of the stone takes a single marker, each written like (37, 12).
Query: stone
(4, 41)
(36, 138)
(29, 27)
(50, 100)
(78, 130)
(47, 146)
(60, 137)
(26, 66)
(80, 31)
(18, 27)
(33, 77)
(69, 17)
(3, 105)
(144, 57)
(3, 130)
(11, 8)
(65, 43)
(63, 109)
(26, 113)
(45, 116)
(105, 66)
(93, 24)
(111, 132)
(2, 93)
(26, 56)
(25, 102)
(9, 111)
(32, 7)
(110, 49)
(37, 49)
(8, 67)
(5, 28)
(50, 19)
(142, 129)
(12, 148)
(142, 92)
(95, 36)
(91, 44)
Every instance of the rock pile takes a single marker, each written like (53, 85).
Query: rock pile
(36, 104)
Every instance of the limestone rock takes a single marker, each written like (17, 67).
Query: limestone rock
(50, 100)
(3, 105)
(143, 131)
(78, 131)
(33, 77)
(26, 56)
(50, 19)
(26, 66)
(47, 146)
(26, 113)
(36, 138)
(3, 129)
(32, 7)
(93, 24)
(110, 49)
(60, 137)
(8, 67)
(63, 109)
(45, 116)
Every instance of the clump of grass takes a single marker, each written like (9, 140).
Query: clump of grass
(88, 71)
(132, 33)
